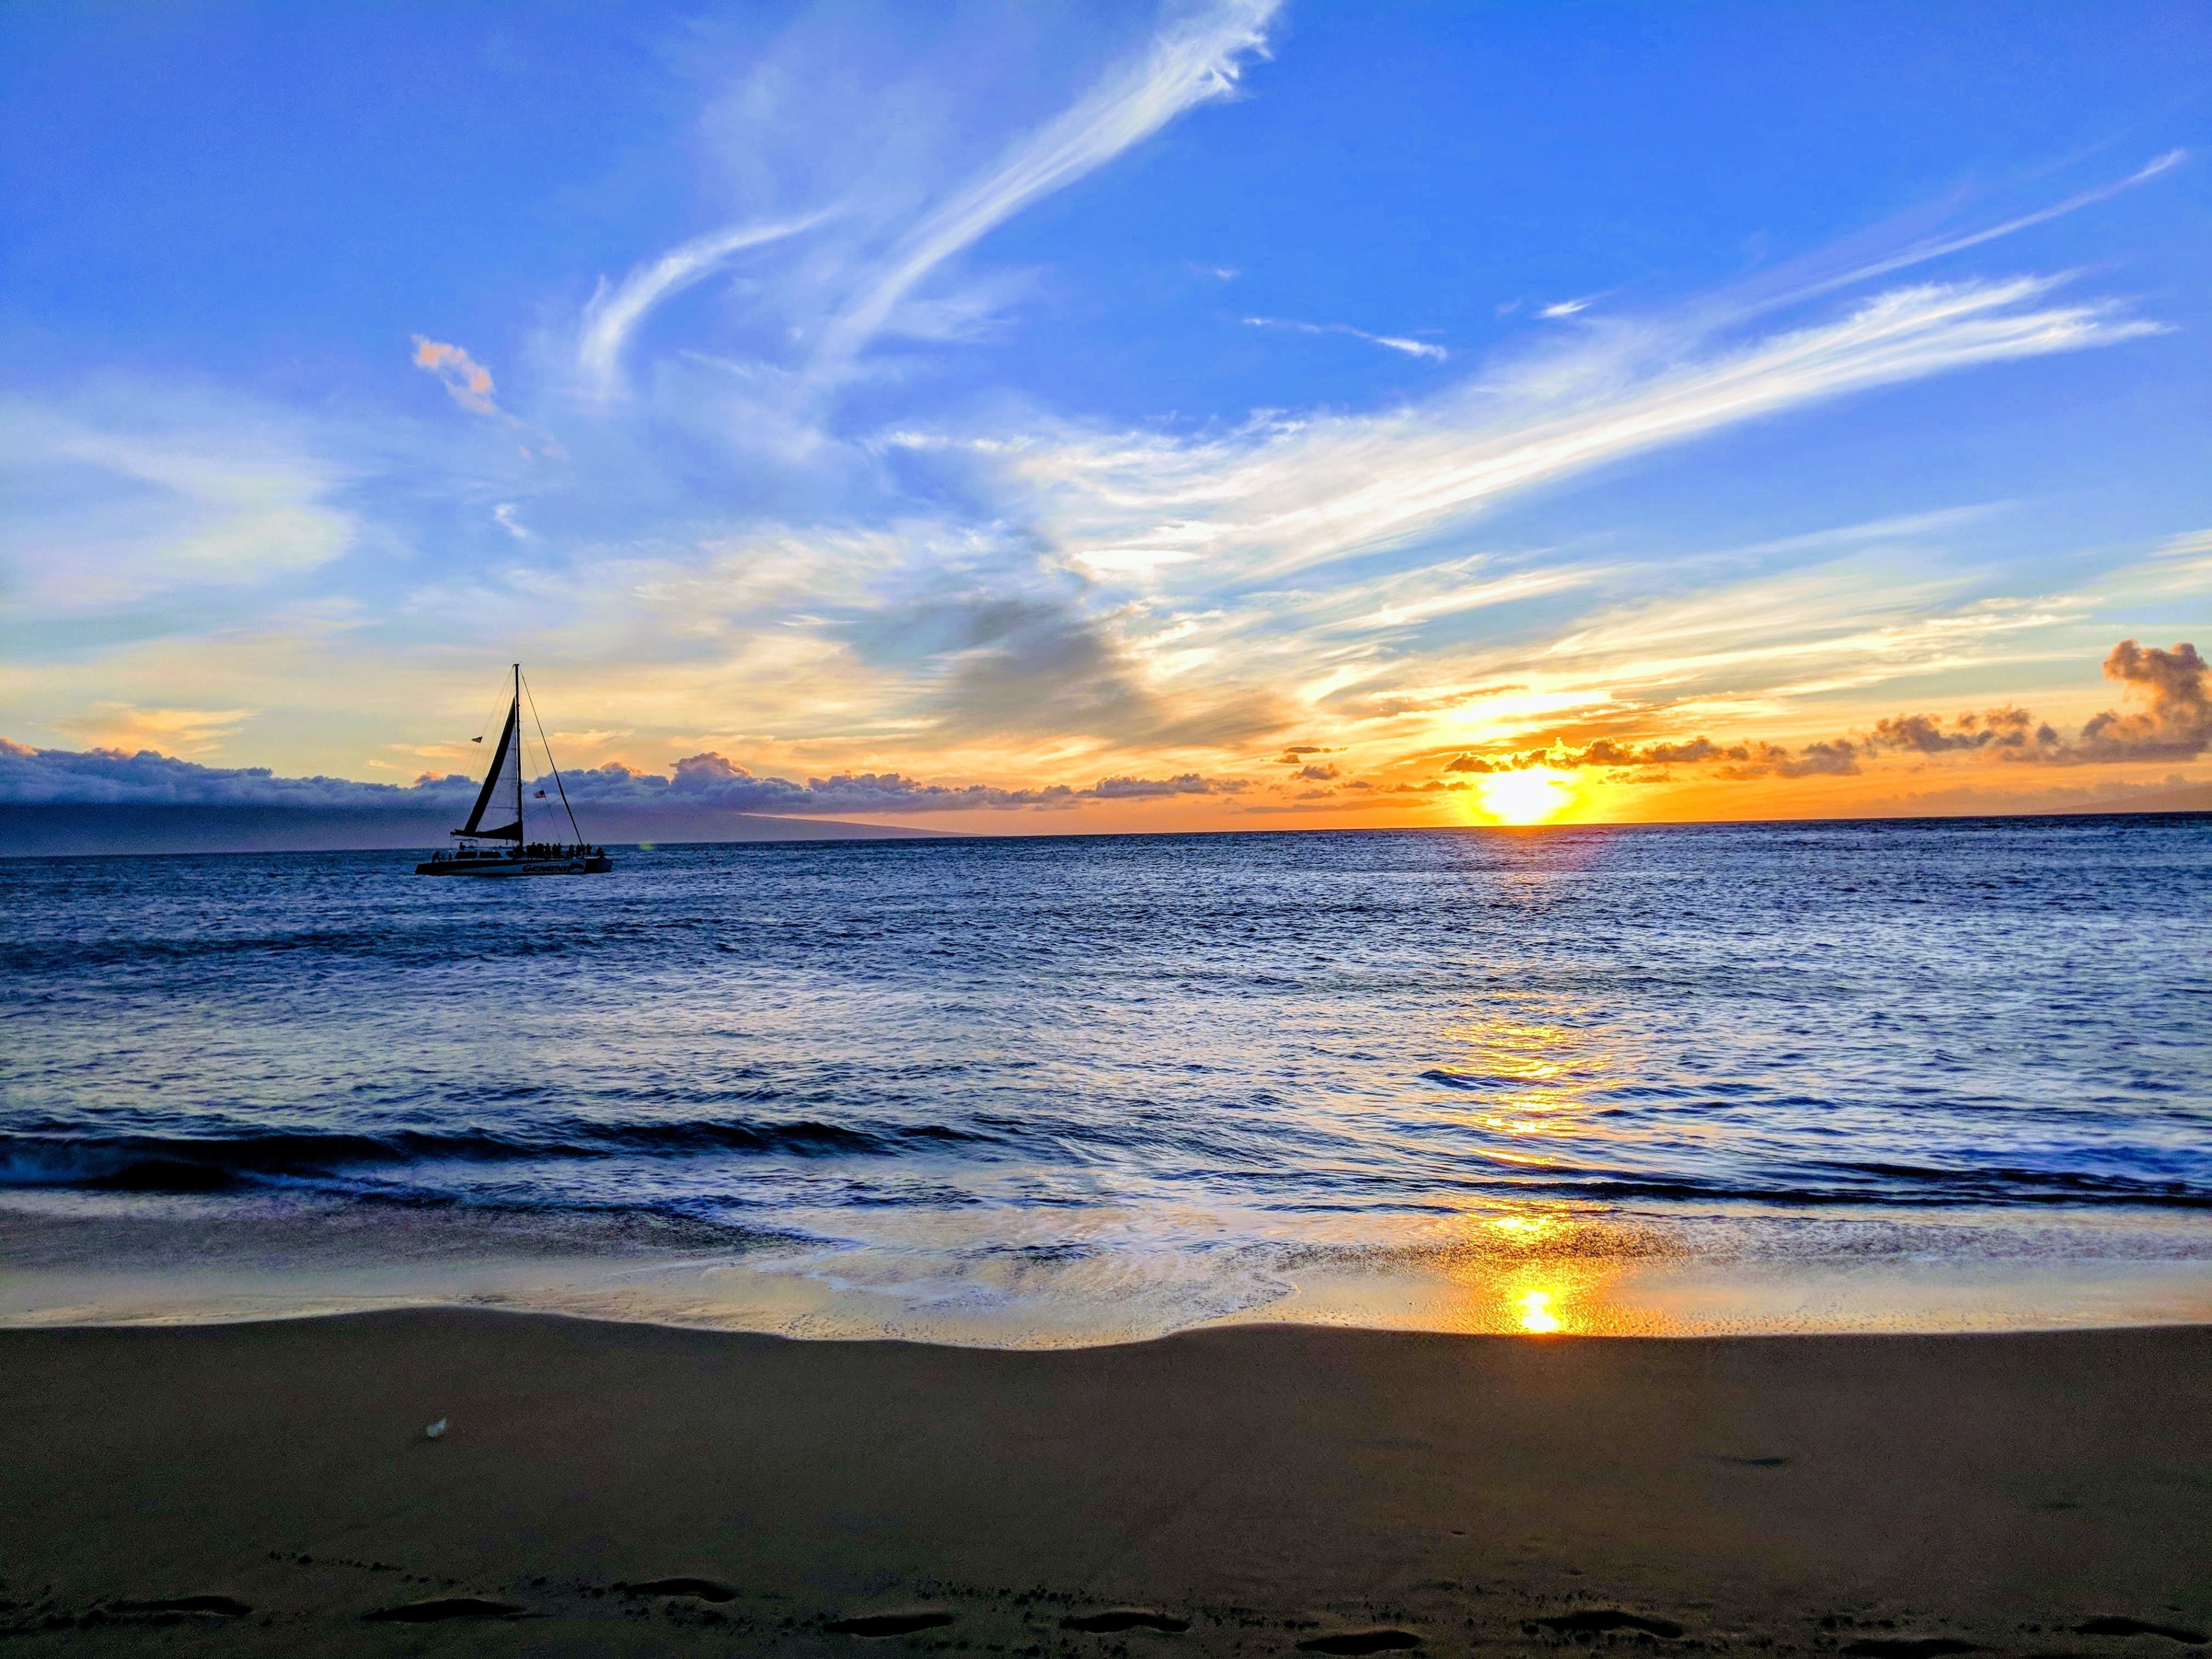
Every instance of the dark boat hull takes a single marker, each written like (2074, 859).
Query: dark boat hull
(597, 864)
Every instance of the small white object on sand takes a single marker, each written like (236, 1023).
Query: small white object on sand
(434, 1430)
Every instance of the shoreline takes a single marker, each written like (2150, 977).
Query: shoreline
(156, 1322)
(2178, 1298)
(1265, 1487)
(127, 1261)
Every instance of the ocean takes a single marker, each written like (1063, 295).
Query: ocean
(1938, 1074)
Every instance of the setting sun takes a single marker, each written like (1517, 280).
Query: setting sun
(1526, 797)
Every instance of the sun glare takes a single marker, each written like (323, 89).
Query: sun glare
(1536, 1316)
(1528, 797)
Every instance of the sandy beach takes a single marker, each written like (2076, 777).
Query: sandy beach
(633, 1489)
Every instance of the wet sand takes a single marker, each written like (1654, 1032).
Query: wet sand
(632, 1489)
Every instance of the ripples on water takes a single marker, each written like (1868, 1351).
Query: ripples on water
(1122, 1084)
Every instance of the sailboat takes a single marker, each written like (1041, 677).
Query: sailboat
(505, 851)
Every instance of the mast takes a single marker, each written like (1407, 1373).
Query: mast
(521, 841)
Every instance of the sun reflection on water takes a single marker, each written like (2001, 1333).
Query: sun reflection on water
(1538, 1076)
(1523, 1087)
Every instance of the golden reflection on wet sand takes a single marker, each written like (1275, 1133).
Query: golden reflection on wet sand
(1545, 1270)
(1537, 1315)
(1544, 1296)
(1556, 1270)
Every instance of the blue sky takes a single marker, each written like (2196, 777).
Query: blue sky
(1029, 396)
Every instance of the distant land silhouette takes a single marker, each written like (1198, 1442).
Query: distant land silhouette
(2189, 798)
(85, 827)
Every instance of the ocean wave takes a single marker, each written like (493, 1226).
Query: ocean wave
(403, 1162)
(194, 1163)
(1871, 1185)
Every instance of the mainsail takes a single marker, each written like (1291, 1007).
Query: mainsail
(509, 739)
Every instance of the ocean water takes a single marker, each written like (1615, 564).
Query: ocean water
(1936, 1075)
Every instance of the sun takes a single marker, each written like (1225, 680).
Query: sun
(1532, 796)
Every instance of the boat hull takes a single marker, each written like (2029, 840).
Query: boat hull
(508, 869)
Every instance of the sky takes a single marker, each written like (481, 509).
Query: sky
(1030, 418)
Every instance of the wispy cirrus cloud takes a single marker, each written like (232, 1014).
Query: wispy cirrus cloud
(139, 492)
(1191, 61)
(844, 302)
(1410, 348)
(1936, 248)
(616, 310)
(1865, 259)
(1285, 495)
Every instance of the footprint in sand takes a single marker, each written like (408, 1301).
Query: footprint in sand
(888, 1624)
(1361, 1641)
(222, 1606)
(1593, 1620)
(443, 1608)
(2114, 1625)
(706, 1589)
(1117, 1619)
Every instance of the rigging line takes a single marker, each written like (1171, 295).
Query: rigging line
(557, 784)
(486, 726)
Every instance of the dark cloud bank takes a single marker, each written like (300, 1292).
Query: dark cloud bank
(103, 800)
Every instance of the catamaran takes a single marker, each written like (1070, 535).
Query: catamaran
(509, 854)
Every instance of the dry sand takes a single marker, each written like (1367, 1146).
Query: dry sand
(1270, 1488)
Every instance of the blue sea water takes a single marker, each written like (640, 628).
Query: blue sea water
(1198, 1076)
